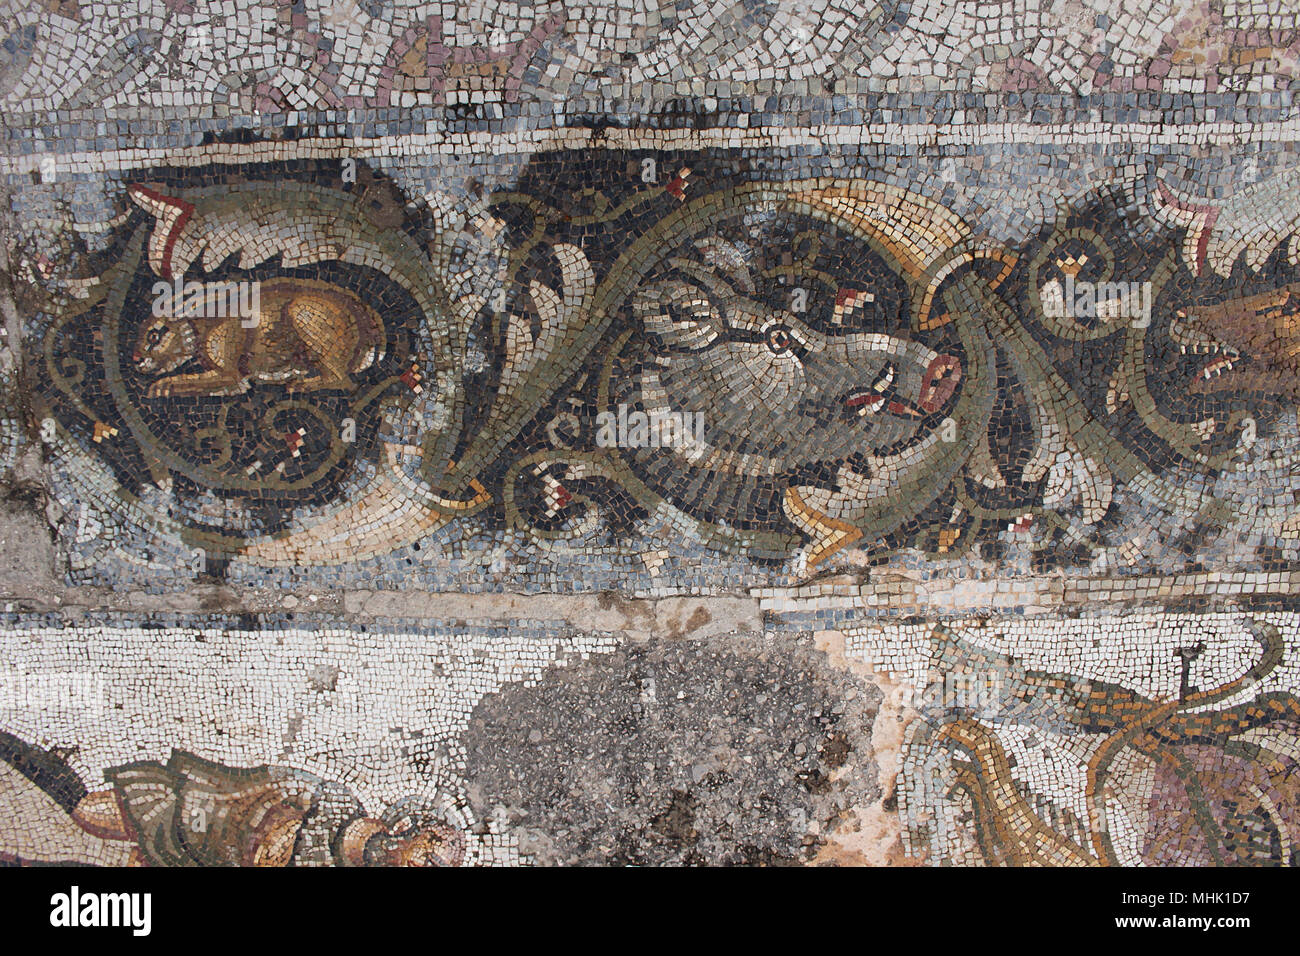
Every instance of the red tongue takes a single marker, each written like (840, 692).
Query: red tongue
(866, 398)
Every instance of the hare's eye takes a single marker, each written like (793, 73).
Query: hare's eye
(155, 336)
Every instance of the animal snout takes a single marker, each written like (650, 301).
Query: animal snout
(939, 382)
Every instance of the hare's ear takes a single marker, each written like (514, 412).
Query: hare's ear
(730, 258)
(680, 314)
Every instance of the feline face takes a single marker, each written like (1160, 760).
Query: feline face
(163, 344)
(1247, 344)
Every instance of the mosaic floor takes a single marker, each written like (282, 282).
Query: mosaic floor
(616, 433)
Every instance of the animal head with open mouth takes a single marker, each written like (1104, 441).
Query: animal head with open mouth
(778, 391)
(797, 328)
(1249, 344)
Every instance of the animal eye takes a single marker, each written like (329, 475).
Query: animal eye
(778, 339)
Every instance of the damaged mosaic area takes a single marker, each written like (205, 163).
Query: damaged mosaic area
(1131, 740)
(634, 433)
